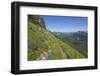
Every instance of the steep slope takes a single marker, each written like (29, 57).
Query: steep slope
(43, 45)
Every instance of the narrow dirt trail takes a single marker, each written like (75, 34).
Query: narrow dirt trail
(44, 55)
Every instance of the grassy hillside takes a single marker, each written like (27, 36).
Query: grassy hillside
(43, 45)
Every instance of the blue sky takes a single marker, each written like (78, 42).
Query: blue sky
(66, 23)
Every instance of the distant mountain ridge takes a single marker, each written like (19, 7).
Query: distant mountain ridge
(69, 33)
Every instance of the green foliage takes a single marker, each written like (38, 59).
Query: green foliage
(33, 18)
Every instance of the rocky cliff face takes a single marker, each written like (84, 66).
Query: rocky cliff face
(36, 19)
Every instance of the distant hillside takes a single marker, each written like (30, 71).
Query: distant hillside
(44, 45)
(77, 40)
